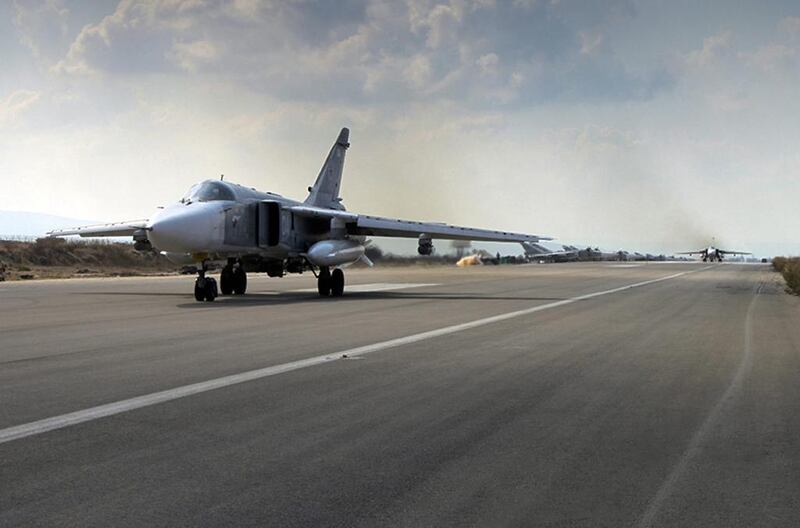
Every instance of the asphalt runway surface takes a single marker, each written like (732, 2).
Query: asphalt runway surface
(593, 394)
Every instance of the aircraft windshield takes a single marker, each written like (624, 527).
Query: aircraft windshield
(208, 191)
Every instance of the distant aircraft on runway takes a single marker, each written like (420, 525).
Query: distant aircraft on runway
(535, 251)
(710, 254)
(264, 232)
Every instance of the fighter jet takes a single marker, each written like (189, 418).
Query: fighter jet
(253, 231)
(710, 254)
(535, 252)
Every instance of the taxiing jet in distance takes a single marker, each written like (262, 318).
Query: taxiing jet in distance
(711, 253)
(254, 231)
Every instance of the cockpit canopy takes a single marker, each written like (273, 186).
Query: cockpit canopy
(209, 191)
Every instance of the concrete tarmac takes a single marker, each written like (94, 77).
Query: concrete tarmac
(672, 403)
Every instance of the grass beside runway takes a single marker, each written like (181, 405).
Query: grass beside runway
(790, 269)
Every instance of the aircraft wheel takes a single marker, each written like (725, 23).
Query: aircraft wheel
(199, 290)
(337, 283)
(210, 289)
(239, 281)
(227, 280)
(324, 282)
(205, 289)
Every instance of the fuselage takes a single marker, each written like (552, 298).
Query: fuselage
(218, 219)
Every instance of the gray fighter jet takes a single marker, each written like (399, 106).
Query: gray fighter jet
(536, 252)
(252, 231)
(711, 253)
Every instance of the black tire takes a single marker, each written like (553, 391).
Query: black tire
(227, 280)
(337, 283)
(324, 282)
(199, 290)
(210, 289)
(239, 281)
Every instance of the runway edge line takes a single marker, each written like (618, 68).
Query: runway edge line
(110, 409)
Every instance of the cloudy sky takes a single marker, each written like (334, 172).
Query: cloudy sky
(646, 125)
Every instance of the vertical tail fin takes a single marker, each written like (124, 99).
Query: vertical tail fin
(532, 249)
(325, 191)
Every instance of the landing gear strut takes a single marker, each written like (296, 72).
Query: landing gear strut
(330, 283)
(233, 278)
(205, 288)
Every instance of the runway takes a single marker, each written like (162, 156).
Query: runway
(545, 395)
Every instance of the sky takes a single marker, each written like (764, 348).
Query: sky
(652, 126)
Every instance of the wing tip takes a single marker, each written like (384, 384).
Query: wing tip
(344, 137)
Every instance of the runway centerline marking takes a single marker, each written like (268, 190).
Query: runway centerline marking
(110, 409)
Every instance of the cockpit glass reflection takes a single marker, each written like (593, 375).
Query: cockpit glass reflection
(210, 191)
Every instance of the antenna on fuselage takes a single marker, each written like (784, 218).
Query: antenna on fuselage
(221, 177)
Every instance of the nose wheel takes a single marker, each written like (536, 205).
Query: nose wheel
(330, 283)
(205, 288)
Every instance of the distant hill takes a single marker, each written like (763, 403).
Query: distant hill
(60, 258)
(25, 224)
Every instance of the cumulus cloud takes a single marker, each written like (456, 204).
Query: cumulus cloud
(712, 49)
(590, 42)
(375, 49)
(770, 57)
(16, 104)
(488, 63)
(726, 101)
(41, 26)
(791, 24)
(418, 72)
(188, 55)
(440, 21)
(137, 37)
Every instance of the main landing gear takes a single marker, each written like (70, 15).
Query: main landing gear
(330, 283)
(233, 278)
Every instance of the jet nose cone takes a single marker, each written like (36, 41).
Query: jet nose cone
(189, 229)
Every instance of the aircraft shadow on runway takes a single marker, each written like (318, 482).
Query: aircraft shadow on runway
(280, 298)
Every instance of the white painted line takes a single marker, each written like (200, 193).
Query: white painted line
(374, 287)
(694, 449)
(110, 409)
(624, 266)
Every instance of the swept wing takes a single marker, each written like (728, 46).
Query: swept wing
(368, 225)
(114, 229)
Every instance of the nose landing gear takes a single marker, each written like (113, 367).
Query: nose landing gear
(205, 288)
